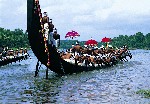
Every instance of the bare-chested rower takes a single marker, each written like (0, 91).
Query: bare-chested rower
(76, 49)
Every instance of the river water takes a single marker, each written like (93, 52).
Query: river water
(115, 85)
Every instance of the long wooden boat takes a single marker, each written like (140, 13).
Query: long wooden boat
(11, 60)
(57, 64)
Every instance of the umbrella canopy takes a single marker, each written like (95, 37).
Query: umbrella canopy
(68, 34)
(72, 34)
(106, 39)
(91, 42)
(75, 34)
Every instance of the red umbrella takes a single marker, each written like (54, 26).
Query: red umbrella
(68, 34)
(72, 34)
(91, 42)
(106, 39)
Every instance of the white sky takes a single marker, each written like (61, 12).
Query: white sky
(90, 18)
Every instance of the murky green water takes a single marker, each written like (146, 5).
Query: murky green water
(115, 85)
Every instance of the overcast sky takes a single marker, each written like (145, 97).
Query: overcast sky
(90, 18)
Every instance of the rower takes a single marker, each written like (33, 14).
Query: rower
(25, 53)
(16, 53)
(71, 49)
(21, 52)
(77, 49)
(1, 50)
(4, 53)
(11, 54)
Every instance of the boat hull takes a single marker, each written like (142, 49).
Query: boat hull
(57, 64)
(7, 61)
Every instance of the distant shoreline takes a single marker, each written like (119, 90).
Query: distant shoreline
(29, 48)
(14, 48)
(138, 48)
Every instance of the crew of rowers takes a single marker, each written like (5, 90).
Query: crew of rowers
(10, 53)
(85, 56)
(94, 56)
(50, 33)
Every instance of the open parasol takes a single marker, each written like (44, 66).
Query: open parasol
(106, 40)
(91, 42)
(72, 34)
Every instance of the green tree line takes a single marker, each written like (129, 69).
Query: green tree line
(136, 41)
(18, 38)
(13, 39)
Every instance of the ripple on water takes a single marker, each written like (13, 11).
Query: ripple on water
(115, 85)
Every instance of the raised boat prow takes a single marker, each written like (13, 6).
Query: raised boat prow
(36, 38)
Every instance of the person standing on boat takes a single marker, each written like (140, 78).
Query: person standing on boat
(36, 1)
(56, 38)
(45, 21)
(50, 36)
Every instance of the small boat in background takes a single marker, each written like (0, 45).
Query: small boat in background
(9, 55)
(11, 60)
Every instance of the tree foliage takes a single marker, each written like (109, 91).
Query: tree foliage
(13, 39)
(136, 41)
(17, 38)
